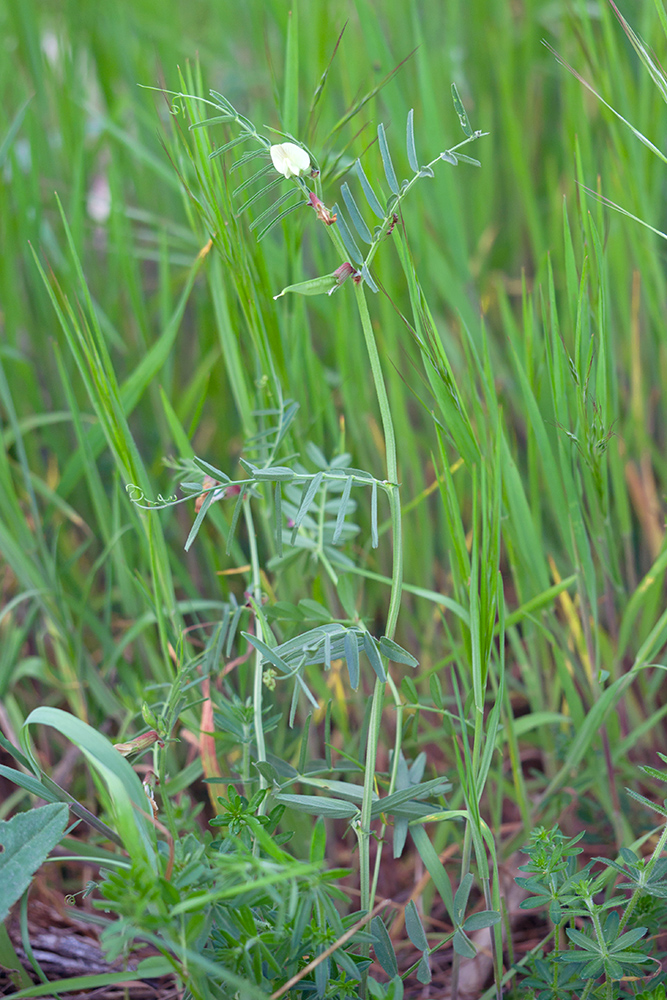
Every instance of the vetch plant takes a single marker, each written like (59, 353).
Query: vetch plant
(315, 505)
(178, 339)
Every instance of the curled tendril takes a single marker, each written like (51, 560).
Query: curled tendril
(177, 107)
(135, 493)
(139, 498)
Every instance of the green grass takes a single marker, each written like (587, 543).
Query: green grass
(520, 332)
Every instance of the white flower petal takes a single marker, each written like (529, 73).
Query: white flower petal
(289, 159)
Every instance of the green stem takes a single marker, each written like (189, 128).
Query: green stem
(465, 868)
(391, 461)
(398, 739)
(375, 722)
(258, 687)
(364, 828)
(587, 989)
(166, 798)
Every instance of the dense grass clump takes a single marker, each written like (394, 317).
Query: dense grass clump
(332, 496)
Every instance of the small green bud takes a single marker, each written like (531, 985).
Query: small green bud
(148, 716)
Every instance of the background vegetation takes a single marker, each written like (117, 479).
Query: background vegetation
(530, 419)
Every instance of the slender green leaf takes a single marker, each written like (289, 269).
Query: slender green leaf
(461, 112)
(308, 496)
(371, 197)
(389, 171)
(352, 658)
(347, 238)
(357, 220)
(410, 142)
(340, 517)
(414, 927)
(383, 946)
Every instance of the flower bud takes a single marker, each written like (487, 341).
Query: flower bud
(139, 743)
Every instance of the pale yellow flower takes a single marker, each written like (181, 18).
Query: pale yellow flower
(289, 159)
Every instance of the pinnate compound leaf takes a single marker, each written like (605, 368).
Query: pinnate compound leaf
(26, 840)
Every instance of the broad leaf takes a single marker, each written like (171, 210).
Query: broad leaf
(26, 841)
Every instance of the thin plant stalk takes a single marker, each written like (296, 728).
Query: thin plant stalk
(364, 832)
(257, 689)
